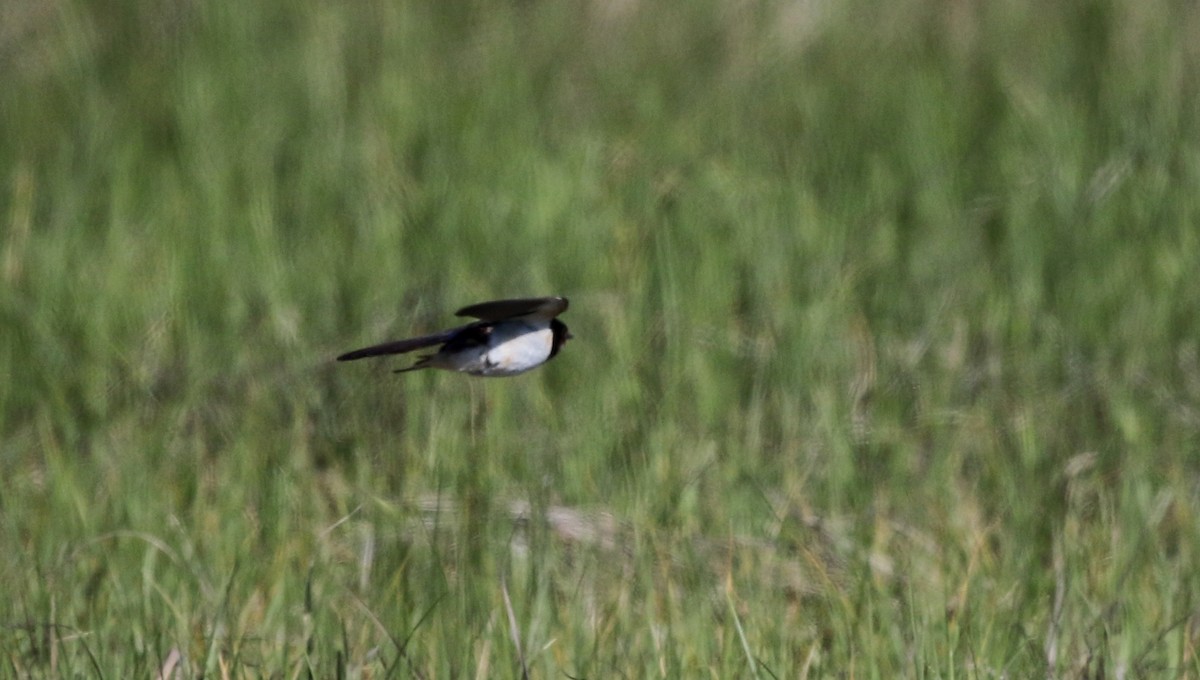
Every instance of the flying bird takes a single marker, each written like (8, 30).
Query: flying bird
(509, 338)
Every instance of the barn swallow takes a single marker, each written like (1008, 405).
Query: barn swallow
(509, 338)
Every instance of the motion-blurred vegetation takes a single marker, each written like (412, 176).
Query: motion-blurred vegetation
(887, 359)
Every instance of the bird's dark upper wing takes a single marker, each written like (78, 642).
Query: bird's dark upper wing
(399, 346)
(547, 307)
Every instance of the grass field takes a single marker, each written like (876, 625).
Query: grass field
(887, 356)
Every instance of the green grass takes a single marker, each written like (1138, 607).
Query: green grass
(887, 357)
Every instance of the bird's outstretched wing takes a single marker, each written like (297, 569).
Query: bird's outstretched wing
(544, 307)
(398, 346)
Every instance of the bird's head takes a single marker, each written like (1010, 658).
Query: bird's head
(561, 335)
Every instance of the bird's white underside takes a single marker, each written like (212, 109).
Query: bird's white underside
(512, 349)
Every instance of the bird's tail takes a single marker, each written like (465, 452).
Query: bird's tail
(396, 347)
(423, 362)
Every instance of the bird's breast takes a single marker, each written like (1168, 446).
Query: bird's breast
(519, 353)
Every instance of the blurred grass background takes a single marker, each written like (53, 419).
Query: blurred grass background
(887, 358)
